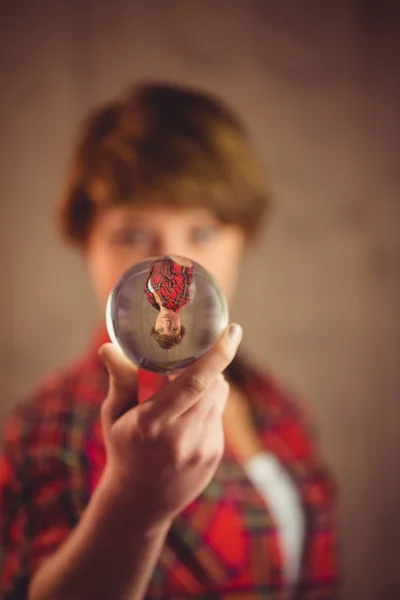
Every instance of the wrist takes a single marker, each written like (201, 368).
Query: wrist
(128, 505)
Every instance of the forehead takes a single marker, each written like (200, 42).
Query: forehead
(156, 215)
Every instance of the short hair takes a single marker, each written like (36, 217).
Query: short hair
(167, 341)
(168, 142)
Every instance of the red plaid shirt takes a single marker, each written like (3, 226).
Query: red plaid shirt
(172, 282)
(224, 546)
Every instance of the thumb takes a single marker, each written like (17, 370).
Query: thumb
(122, 392)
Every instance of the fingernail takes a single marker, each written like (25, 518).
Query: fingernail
(235, 333)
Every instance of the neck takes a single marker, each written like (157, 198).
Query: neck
(166, 310)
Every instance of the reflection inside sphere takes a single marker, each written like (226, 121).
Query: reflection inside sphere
(165, 313)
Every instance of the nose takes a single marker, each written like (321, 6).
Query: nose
(171, 242)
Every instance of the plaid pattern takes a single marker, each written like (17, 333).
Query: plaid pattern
(172, 282)
(224, 546)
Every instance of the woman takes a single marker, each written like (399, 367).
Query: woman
(169, 287)
(106, 498)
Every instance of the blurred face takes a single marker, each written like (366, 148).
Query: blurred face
(167, 323)
(123, 236)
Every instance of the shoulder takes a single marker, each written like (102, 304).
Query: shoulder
(287, 426)
(73, 393)
(280, 413)
(264, 386)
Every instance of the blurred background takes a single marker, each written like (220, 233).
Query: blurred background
(318, 84)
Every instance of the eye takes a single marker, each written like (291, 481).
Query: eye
(202, 235)
(132, 236)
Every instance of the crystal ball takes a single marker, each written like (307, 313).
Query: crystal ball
(164, 313)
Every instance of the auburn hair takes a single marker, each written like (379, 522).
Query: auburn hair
(161, 142)
(167, 341)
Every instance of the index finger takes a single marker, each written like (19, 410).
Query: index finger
(184, 391)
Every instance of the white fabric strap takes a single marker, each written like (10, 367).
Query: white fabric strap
(283, 500)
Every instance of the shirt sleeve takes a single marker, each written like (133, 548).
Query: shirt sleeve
(37, 513)
(189, 275)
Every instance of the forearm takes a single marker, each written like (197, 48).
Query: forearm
(110, 554)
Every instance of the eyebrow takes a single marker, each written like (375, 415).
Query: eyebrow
(140, 219)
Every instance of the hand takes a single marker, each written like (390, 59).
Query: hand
(161, 454)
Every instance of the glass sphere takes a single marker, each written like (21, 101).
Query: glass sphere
(165, 312)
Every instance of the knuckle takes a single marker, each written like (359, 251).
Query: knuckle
(208, 454)
(196, 384)
(212, 461)
(177, 454)
(213, 458)
(218, 450)
(198, 456)
(148, 426)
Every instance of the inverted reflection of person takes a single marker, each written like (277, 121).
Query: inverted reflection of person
(168, 289)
